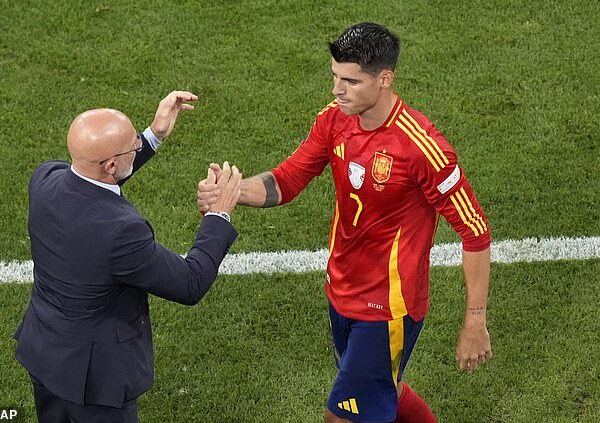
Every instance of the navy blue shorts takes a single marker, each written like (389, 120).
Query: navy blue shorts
(371, 358)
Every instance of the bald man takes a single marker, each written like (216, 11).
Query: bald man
(86, 338)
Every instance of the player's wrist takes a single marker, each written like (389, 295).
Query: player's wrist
(475, 316)
(475, 322)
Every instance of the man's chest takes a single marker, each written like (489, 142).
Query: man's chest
(374, 165)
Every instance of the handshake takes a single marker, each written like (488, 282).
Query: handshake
(220, 191)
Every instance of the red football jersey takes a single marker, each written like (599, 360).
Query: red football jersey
(391, 183)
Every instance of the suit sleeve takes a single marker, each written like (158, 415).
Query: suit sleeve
(308, 161)
(139, 261)
(436, 171)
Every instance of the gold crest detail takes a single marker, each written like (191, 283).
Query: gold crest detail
(382, 167)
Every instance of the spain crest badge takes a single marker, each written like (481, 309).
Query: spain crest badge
(382, 167)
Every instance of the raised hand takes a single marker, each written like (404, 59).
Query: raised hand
(168, 110)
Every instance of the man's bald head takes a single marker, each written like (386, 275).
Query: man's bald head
(97, 134)
(96, 140)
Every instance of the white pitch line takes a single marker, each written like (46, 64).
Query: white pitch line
(508, 251)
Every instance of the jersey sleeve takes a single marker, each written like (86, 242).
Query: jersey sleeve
(309, 160)
(436, 171)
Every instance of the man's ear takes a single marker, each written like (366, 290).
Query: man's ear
(110, 166)
(386, 78)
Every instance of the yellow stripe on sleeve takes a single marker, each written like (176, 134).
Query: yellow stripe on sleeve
(418, 143)
(468, 213)
(424, 133)
(428, 142)
(459, 208)
(476, 217)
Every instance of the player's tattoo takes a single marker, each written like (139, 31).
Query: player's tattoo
(477, 310)
(272, 198)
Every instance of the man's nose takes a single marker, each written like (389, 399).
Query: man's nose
(337, 88)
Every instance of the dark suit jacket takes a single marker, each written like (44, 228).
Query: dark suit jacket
(86, 334)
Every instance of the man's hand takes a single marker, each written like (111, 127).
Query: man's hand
(220, 191)
(474, 347)
(208, 190)
(168, 110)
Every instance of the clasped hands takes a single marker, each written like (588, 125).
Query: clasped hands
(220, 191)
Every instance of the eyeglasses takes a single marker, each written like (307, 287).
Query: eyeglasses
(137, 150)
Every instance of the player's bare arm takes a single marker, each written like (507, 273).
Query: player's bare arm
(257, 191)
(260, 191)
(474, 346)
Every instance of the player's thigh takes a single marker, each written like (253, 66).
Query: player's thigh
(340, 331)
(410, 333)
(365, 387)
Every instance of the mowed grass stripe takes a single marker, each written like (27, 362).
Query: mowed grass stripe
(507, 251)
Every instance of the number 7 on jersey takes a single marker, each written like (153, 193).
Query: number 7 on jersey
(356, 198)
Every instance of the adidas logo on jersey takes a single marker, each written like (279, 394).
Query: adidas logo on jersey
(340, 151)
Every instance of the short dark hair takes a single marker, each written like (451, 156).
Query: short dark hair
(368, 44)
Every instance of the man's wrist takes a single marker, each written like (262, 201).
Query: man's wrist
(151, 137)
(223, 215)
(475, 322)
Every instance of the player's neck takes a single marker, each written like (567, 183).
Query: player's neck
(375, 116)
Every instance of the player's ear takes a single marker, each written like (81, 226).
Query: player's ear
(386, 78)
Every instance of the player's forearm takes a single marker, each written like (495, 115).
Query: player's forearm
(476, 267)
(260, 191)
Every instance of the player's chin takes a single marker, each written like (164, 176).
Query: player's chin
(348, 110)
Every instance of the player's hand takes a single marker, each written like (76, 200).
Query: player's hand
(219, 194)
(208, 191)
(168, 110)
(474, 347)
(216, 169)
